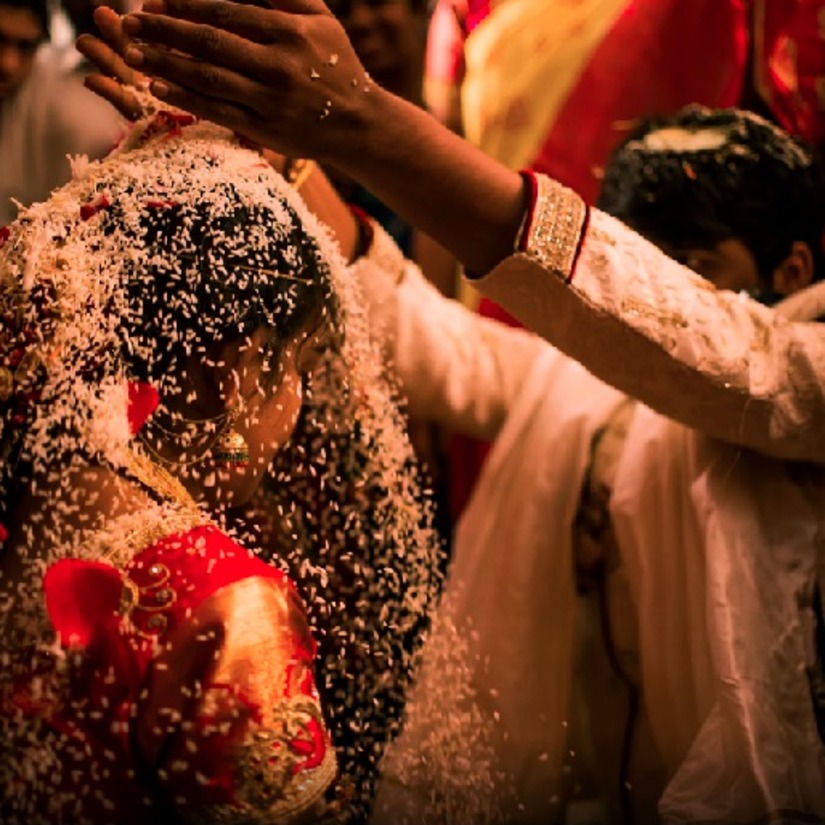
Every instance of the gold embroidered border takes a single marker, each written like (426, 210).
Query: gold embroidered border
(555, 231)
(160, 523)
(266, 783)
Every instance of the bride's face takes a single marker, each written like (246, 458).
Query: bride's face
(272, 399)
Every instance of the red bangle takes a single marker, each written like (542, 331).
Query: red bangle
(531, 191)
(366, 233)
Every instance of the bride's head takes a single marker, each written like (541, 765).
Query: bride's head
(173, 296)
(170, 299)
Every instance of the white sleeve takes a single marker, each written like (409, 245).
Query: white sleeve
(455, 368)
(715, 361)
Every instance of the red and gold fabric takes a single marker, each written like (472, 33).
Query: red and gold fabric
(192, 678)
(789, 63)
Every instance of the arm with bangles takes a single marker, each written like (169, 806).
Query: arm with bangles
(595, 289)
(308, 95)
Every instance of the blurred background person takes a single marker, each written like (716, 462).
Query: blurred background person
(23, 27)
(389, 37)
(45, 111)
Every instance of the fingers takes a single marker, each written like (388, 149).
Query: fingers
(107, 60)
(198, 10)
(121, 97)
(105, 52)
(205, 42)
(206, 79)
(229, 115)
(250, 22)
(299, 6)
(109, 25)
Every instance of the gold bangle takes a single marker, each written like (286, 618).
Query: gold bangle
(297, 171)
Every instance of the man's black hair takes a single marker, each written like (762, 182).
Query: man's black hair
(702, 176)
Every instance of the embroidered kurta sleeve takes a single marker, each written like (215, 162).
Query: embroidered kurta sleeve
(230, 722)
(715, 361)
(455, 367)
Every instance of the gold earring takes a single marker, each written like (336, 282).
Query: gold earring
(231, 450)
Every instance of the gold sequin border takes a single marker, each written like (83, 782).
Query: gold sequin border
(559, 216)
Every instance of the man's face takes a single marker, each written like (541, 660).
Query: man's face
(20, 35)
(729, 264)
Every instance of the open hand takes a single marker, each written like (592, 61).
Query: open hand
(116, 80)
(286, 77)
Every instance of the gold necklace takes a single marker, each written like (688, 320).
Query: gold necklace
(157, 457)
(158, 479)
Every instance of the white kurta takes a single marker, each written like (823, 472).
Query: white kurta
(716, 361)
(719, 542)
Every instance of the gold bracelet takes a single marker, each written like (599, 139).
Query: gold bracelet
(297, 171)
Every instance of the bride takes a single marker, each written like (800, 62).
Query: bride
(163, 317)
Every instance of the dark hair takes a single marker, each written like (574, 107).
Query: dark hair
(734, 176)
(217, 274)
(39, 8)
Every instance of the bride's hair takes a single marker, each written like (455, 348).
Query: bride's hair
(214, 271)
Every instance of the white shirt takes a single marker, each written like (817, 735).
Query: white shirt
(49, 117)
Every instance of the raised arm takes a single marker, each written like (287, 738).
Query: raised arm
(714, 360)
(289, 78)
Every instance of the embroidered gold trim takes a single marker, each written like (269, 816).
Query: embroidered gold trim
(555, 231)
(162, 523)
(158, 596)
(636, 309)
(266, 779)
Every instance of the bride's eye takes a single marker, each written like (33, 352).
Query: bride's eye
(313, 352)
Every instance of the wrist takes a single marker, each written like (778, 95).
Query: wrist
(296, 171)
(365, 138)
(531, 185)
